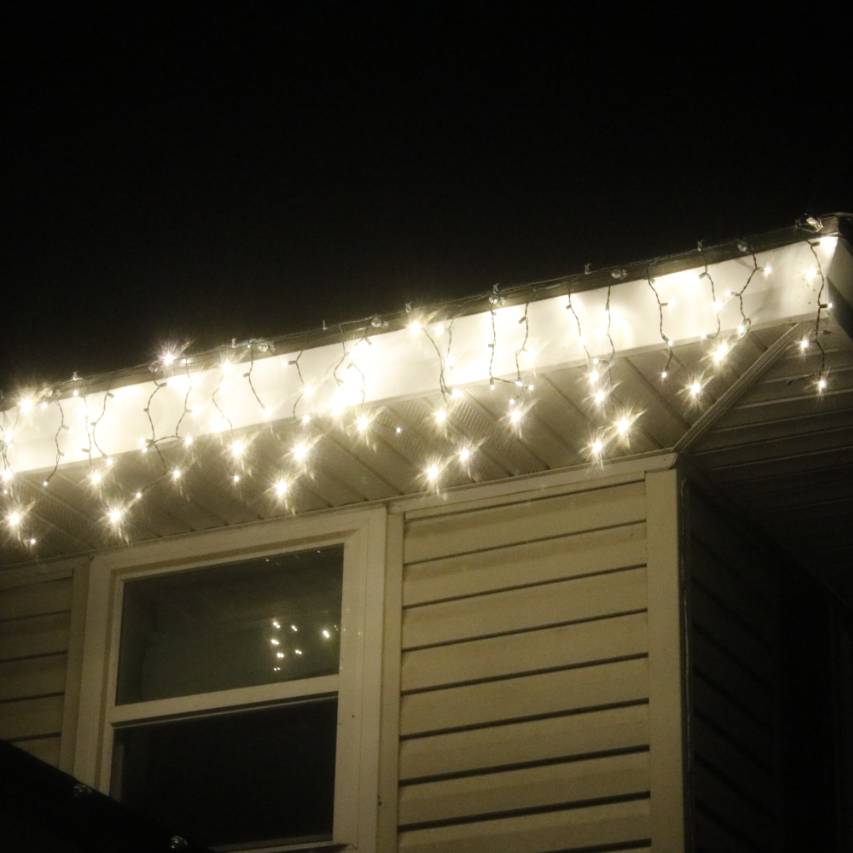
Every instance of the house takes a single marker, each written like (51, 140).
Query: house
(567, 567)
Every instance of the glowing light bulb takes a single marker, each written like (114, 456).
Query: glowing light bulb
(432, 473)
(306, 419)
(188, 441)
(26, 405)
(599, 396)
(822, 384)
(237, 449)
(281, 487)
(623, 426)
(767, 269)
(810, 274)
(308, 391)
(276, 624)
(718, 356)
(115, 516)
(168, 358)
(137, 495)
(294, 628)
(362, 423)
(596, 448)
(438, 329)
(516, 416)
(440, 416)
(741, 330)
(8, 475)
(828, 243)
(804, 344)
(694, 388)
(464, 455)
(31, 541)
(8, 436)
(415, 327)
(235, 478)
(279, 655)
(301, 451)
(96, 477)
(176, 474)
(274, 641)
(398, 430)
(664, 374)
(14, 518)
(327, 634)
(455, 393)
(593, 376)
(716, 306)
(298, 652)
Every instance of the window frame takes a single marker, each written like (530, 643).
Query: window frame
(362, 533)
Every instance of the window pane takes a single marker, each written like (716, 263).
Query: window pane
(234, 778)
(270, 619)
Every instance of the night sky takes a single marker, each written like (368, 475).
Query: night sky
(200, 178)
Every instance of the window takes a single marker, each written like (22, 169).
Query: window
(238, 675)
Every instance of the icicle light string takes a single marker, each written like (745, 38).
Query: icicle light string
(706, 274)
(745, 321)
(265, 347)
(224, 369)
(581, 339)
(523, 348)
(663, 336)
(821, 380)
(460, 447)
(56, 436)
(294, 362)
(154, 441)
(186, 409)
(442, 377)
(107, 397)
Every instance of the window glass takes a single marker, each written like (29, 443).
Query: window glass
(234, 779)
(269, 619)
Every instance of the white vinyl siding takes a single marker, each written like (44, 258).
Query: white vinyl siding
(35, 621)
(524, 675)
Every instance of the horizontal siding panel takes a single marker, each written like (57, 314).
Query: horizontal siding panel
(726, 671)
(614, 823)
(717, 533)
(711, 837)
(528, 563)
(721, 575)
(534, 787)
(538, 519)
(542, 649)
(31, 717)
(527, 742)
(39, 635)
(742, 729)
(36, 599)
(708, 614)
(44, 748)
(733, 808)
(721, 753)
(533, 695)
(32, 677)
(531, 607)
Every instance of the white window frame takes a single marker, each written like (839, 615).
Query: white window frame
(357, 684)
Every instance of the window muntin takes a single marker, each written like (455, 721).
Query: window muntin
(270, 619)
